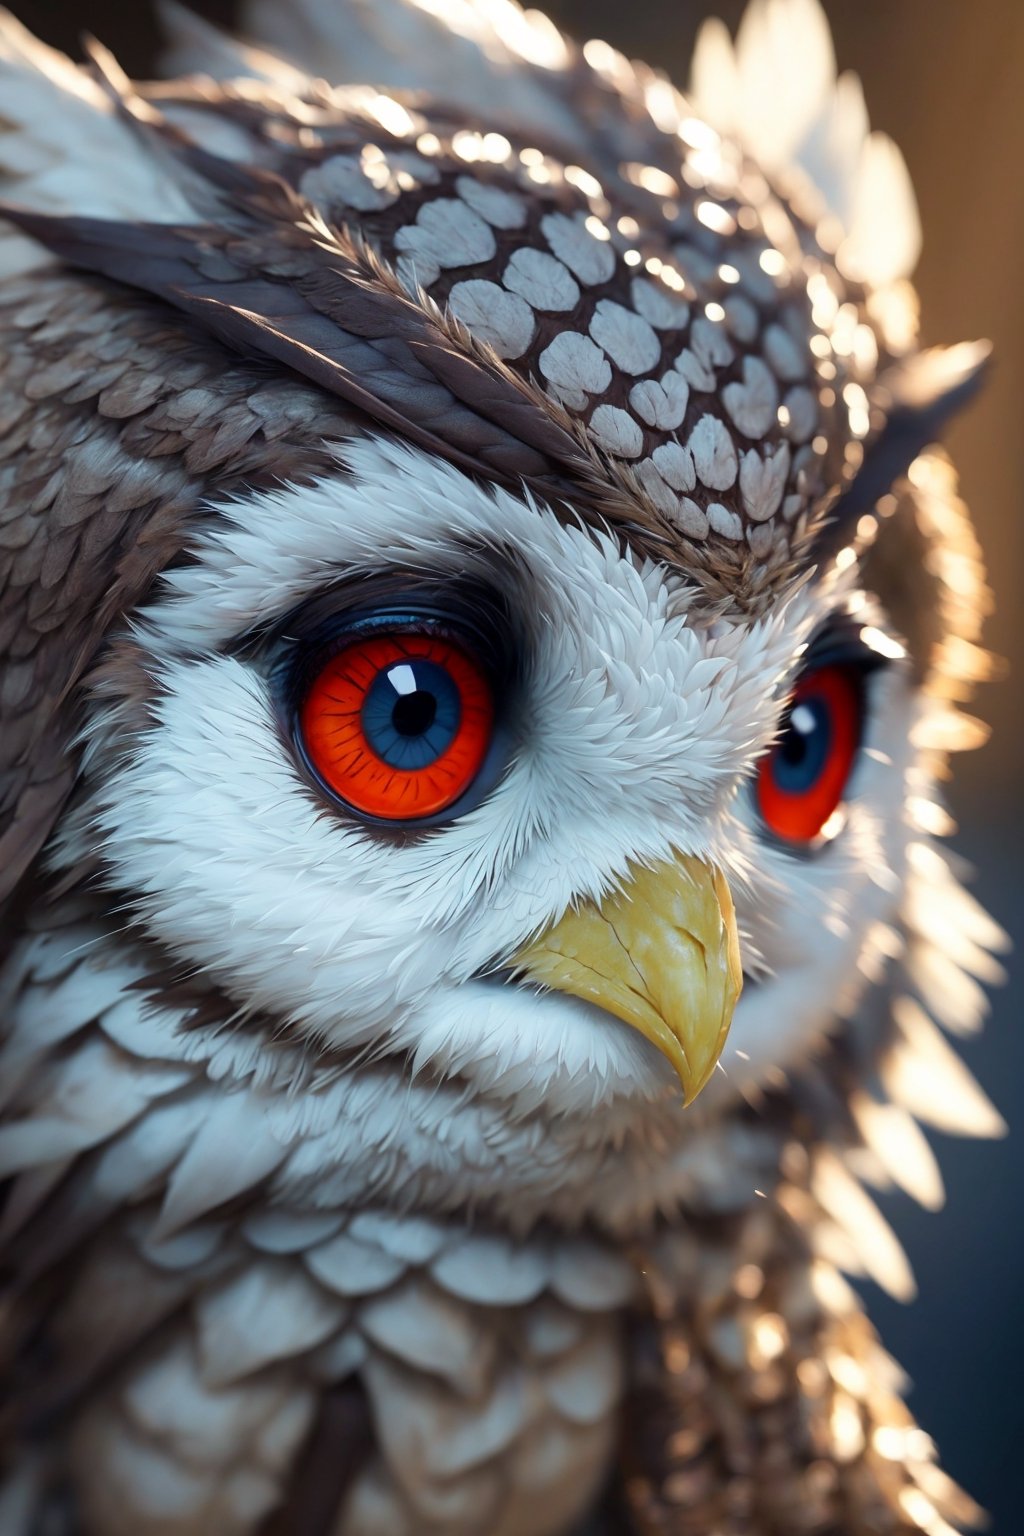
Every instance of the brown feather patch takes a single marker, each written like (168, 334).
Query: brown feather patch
(657, 339)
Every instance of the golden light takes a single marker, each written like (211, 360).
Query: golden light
(824, 304)
(392, 116)
(697, 134)
(748, 1281)
(467, 145)
(857, 405)
(834, 825)
(882, 644)
(847, 1429)
(714, 217)
(651, 179)
(577, 177)
(772, 261)
(538, 42)
(771, 1336)
(496, 148)
(890, 1442)
(662, 102)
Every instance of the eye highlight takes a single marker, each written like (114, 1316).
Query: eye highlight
(802, 780)
(398, 725)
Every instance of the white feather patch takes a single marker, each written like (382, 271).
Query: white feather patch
(64, 150)
(352, 1268)
(419, 1324)
(762, 481)
(616, 431)
(661, 402)
(714, 454)
(503, 209)
(270, 1311)
(89, 1097)
(284, 1231)
(625, 336)
(541, 279)
(492, 1270)
(575, 367)
(409, 1238)
(752, 404)
(592, 1276)
(209, 1426)
(233, 1151)
(590, 259)
(447, 233)
(502, 320)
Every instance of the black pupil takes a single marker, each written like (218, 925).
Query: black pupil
(414, 713)
(793, 747)
(801, 754)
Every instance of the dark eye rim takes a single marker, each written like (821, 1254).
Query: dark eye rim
(306, 648)
(839, 644)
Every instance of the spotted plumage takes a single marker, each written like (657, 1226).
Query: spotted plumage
(678, 330)
(340, 1197)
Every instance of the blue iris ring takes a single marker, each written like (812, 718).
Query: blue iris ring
(803, 749)
(411, 713)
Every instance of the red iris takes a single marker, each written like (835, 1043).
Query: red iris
(398, 725)
(802, 780)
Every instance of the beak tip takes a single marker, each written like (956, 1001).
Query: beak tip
(662, 955)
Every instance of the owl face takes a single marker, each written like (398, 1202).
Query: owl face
(549, 607)
(614, 722)
(481, 627)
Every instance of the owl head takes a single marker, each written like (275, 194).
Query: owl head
(481, 585)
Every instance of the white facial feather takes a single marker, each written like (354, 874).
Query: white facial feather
(810, 916)
(636, 729)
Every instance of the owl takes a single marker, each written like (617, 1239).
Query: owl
(484, 620)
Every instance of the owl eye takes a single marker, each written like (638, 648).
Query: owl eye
(801, 781)
(398, 725)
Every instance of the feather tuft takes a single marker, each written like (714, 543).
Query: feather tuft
(775, 90)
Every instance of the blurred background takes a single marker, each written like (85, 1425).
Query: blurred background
(946, 79)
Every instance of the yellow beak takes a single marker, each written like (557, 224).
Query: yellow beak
(661, 953)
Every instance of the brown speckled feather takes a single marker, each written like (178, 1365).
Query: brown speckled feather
(363, 251)
(116, 425)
